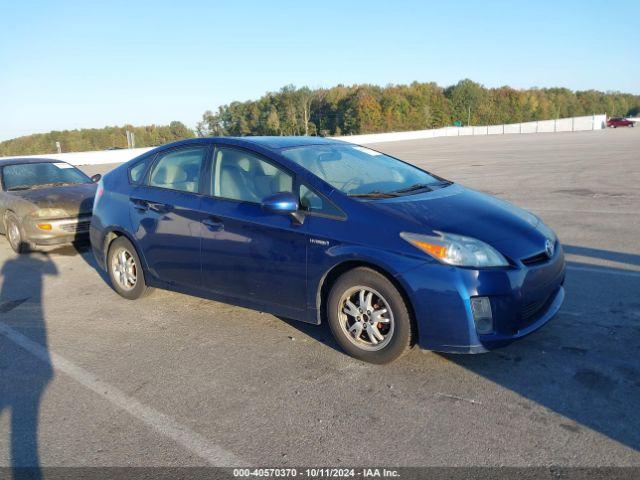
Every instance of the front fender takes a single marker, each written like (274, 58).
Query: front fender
(323, 263)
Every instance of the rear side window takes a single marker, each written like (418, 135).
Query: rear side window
(137, 171)
(179, 169)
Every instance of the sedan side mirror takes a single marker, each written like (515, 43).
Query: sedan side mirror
(283, 203)
(96, 178)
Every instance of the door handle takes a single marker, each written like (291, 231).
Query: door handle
(139, 205)
(213, 224)
(159, 207)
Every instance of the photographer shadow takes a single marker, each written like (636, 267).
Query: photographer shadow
(25, 364)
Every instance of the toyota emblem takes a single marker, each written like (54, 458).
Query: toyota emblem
(548, 248)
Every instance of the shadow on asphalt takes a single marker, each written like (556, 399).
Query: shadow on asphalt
(321, 333)
(23, 377)
(620, 257)
(582, 365)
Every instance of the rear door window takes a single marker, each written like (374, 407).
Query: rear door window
(179, 169)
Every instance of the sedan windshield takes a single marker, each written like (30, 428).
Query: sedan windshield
(35, 175)
(362, 172)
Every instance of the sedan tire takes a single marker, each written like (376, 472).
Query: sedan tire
(369, 317)
(15, 234)
(125, 270)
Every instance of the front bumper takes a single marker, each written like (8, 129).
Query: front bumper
(63, 230)
(523, 299)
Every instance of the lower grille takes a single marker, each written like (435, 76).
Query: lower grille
(533, 310)
(76, 227)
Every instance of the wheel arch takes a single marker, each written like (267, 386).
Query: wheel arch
(5, 214)
(330, 277)
(3, 222)
(114, 233)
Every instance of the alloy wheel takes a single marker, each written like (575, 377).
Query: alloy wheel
(366, 318)
(124, 268)
(14, 235)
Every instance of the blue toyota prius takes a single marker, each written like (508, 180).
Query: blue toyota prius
(321, 230)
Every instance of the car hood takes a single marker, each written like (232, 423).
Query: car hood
(456, 209)
(74, 200)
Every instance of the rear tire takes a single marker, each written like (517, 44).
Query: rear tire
(125, 270)
(15, 234)
(369, 317)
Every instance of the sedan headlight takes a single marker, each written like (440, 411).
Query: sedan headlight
(49, 213)
(457, 250)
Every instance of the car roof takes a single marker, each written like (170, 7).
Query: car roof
(268, 143)
(278, 143)
(23, 160)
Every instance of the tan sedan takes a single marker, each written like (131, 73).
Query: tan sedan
(44, 202)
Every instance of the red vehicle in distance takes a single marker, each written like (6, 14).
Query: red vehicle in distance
(616, 122)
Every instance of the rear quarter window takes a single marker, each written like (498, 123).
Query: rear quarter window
(136, 172)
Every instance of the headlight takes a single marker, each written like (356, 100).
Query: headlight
(49, 213)
(457, 250)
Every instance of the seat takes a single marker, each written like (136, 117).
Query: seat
(235, 184)
(174, 177)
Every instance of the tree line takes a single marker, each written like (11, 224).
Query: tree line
(347, 110)
(88, 139)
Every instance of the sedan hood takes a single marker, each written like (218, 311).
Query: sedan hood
(73, 200)
(456, 209)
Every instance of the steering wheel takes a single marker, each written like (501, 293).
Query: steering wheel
(357, 182)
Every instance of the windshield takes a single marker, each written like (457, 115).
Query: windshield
(362, 172)
(34, 175)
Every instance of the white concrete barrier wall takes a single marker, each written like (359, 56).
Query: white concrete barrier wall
(574, 124)
(513, 128)
(547, 126)
(96, 157)
(564, 125)
(529, 127)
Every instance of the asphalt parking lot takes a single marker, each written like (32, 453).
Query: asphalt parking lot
(177, 380)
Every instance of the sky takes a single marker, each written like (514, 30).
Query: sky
(86, 64)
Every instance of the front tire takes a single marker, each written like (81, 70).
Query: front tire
(369, 317)
(125, 270)
(15, 234)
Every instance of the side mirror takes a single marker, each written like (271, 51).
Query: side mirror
(96, 178)
(283, 203)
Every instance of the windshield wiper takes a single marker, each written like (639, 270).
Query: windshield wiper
(374, 194)
(445, 183)
(414, 187)
(40, 185)
(55, 184)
